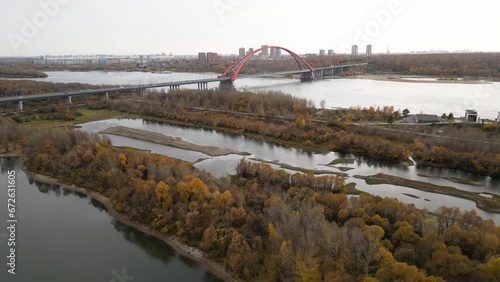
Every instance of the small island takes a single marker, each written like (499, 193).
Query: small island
(176, 142)
(487, 204)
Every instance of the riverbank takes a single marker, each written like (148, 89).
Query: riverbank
(419, 79)
(174, 242)
(301, 169)
(166, 140)
(484, 203)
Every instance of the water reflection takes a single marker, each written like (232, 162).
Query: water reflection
(153, 246)
(9, 164)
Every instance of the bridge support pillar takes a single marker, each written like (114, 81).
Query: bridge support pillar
(226, 84)
(104, 96)
(307, 76)
(68, 100)
(19, 105)
(202, 85)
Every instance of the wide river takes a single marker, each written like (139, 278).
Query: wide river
(430, 98)
(64, 236)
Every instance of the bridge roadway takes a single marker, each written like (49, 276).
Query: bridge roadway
(318, 72)
(202, 83)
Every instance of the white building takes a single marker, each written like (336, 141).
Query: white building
(472, 116)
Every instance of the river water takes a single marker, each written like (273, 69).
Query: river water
(430, 98)
(65, 236)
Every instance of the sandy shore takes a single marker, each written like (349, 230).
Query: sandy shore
(170, 141)
(183, 249)
(417, 79)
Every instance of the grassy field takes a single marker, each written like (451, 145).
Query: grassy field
(87, 116)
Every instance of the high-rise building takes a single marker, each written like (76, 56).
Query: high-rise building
(369, 50)
(265, 51)
(322, 52)
(354, 50)
(202, 57)
(250, 49)
(273, 52)
(277, 53)
(212, 57)
(330, 52)
(242, 52)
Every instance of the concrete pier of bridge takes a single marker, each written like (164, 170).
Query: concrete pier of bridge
(226, 84)
(307, 76)
(202, 85)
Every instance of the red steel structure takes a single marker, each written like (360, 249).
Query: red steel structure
(234, 70)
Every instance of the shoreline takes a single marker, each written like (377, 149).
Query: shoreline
(418, 79)
(491, 205)
(180, 247)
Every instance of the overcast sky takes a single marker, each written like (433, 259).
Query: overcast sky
(27, 27)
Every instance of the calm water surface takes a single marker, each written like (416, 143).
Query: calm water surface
(64, 236)
(431, 98)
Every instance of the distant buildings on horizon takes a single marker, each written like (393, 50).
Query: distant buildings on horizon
(105, 59)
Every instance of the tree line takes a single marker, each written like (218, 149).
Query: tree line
(16, 71)
(450, 64)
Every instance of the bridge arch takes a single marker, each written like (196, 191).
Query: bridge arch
(234, 70)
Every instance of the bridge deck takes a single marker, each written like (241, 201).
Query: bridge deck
(306, 70)
(107, 90)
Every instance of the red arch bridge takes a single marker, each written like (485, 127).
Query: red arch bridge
(265, 65)
(262, 65)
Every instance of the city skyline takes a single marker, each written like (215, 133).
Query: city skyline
(72, 27)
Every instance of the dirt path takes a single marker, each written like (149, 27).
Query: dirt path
(170, 141)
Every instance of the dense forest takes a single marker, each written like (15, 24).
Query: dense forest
(301, 124)
(264, 224)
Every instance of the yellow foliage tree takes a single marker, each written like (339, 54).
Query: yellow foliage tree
(163, 195)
